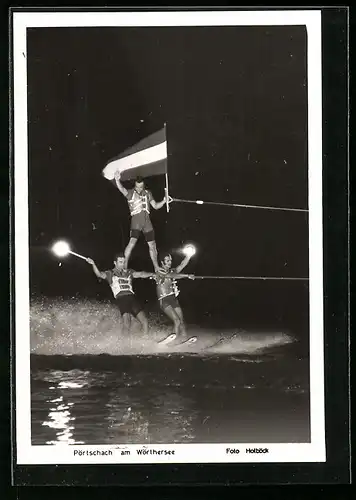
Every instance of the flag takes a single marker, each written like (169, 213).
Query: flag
(147, 157)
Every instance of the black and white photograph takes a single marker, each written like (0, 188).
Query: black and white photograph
(168, 237)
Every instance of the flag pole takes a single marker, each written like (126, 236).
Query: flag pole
(167, 193)
(167, 202)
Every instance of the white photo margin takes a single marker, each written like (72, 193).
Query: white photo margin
(183, 453)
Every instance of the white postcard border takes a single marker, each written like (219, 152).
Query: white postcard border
(183, 453)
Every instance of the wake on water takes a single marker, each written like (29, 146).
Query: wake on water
(64, 327)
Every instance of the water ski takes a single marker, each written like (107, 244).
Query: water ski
(223, 339)
(168, 339)
(188, 341)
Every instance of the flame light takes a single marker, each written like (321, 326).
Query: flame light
(61, 249)
(189, 250)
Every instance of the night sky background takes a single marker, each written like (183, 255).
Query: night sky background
(235, 103)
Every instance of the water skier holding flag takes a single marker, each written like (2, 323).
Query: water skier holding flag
(140, 200)
(146, 158)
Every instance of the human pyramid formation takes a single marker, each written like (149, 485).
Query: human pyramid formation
(120, 277)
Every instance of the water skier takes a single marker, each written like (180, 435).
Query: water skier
(168, 291)
(140, 200)
(120, 280)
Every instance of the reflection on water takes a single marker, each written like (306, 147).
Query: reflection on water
(60, 419)
(59, 415)
(124, 414)
(134, 418)
(175, 400)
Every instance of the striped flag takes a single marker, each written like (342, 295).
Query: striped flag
(147, 157)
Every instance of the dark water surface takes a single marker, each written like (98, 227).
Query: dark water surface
(103, 399)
